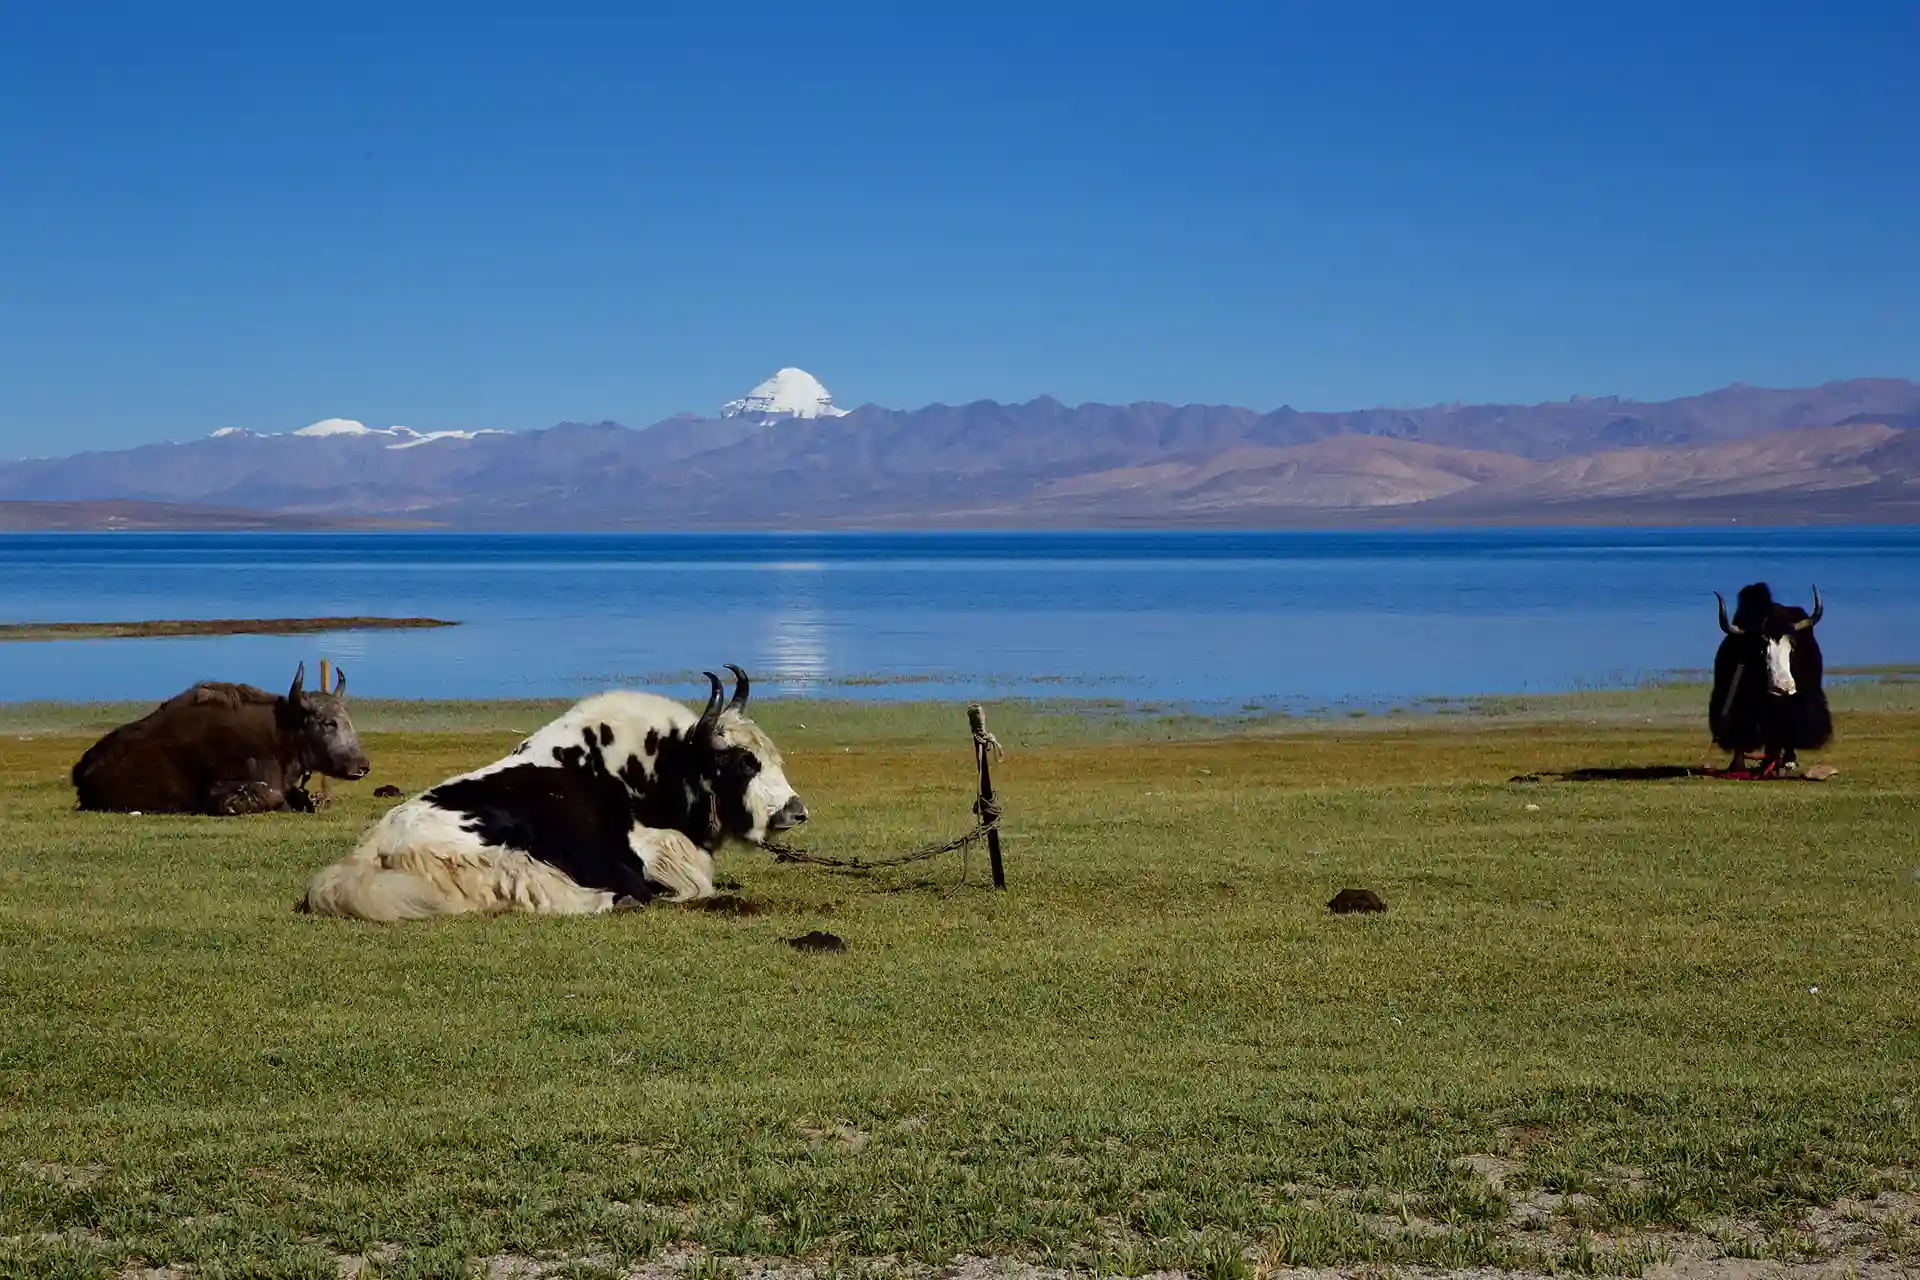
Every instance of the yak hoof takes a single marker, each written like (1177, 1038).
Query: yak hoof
(628, 903)
(249, 797)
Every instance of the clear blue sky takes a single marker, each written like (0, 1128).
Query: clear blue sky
(260, 215)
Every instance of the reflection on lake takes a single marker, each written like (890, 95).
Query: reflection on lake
(1209, 617)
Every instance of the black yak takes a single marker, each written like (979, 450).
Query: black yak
(223, 749)
(1766, 682)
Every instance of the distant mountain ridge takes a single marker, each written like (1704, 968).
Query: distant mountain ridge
(785, 457)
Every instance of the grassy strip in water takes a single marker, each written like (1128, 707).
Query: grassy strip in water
(1641, 1006)
(172, 628)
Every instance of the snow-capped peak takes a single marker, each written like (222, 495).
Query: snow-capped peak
(333, 427)
(223, 432)
(792, 393)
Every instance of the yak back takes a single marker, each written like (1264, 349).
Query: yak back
(162, 762)
(219, 693)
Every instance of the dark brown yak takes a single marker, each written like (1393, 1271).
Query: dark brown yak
(223, 749)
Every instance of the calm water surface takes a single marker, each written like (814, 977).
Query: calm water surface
(1291, 618)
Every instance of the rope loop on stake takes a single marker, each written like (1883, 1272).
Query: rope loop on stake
(986, 811)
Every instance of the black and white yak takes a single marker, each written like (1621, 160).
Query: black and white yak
(621, 800)
(223, 749)
(1767, 696)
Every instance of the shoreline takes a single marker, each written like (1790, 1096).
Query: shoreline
(1681, 700)
(175, 628)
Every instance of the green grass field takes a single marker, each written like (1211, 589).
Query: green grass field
(1602, 1026)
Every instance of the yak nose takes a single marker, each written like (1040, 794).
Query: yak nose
(791, 814)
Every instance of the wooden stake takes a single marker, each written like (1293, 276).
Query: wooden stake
(984, 744)
(326, 686)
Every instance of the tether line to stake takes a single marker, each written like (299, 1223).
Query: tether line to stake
(986, 809)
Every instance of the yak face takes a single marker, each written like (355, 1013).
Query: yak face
(319, 724)
(1776, 630)
(1780, 666)
(752, 797)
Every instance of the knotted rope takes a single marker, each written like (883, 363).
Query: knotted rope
(986, 810)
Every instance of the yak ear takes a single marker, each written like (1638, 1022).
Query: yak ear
(299, 689)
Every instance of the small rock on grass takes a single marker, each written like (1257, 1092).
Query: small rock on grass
(1349, 901)
(386, 791)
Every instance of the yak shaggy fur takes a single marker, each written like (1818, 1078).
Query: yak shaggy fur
(223, 749)
(621, 800)
(1767, 695)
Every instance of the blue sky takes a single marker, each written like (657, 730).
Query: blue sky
(452, 217)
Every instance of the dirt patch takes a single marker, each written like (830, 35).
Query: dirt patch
(74, 1177)
(1497, 1170)
(728, 904)
(1863, 1239)
(1518, 1139)
(839, 1133)
(817, 940)
(1349, 901)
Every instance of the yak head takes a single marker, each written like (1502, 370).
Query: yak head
(751, 795)
(319, 726)
(1774, 629)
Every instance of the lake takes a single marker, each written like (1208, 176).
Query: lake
(1288, 619)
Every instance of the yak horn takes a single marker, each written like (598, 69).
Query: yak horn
(711, 715)
(1806, 623)
(299, 683)
(1726, 626)
(340, 682)
(741, 687)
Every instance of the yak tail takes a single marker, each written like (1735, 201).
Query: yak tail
(362, 889)
(673, 862)
(390, 877)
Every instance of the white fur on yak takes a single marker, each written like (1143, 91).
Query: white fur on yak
(622, 799)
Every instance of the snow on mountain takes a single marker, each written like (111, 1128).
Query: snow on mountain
(334, 427)
(428, 437)
(792, 393)
(404, 437)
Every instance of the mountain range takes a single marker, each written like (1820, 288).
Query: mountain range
(783, 456)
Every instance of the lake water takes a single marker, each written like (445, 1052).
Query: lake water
(1295, 619)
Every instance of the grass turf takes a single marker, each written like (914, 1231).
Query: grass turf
(167, 628)
(1665, 1004)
